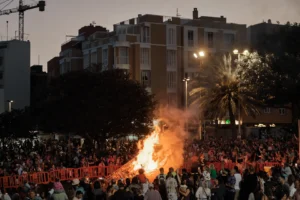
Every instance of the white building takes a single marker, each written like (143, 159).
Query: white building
(14, 74)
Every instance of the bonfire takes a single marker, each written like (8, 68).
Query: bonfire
(154, 152)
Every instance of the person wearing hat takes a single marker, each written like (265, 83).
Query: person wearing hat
(152, 194)
(59, 191)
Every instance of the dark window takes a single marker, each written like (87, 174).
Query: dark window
(210, 39)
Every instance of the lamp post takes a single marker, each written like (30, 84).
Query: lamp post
(186, 80)
(236, 52)
(9, 104)
(199, 56)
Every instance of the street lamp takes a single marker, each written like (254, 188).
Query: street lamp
(9, 104)
(186, 80)
(236, 52)
(200, 54)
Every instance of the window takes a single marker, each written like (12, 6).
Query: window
(123, 56)
(228, 39)
(172, 79)
(190, 38)
(171, 36)
(172, 99)
(267, 110)
(145, 56)
(146, 78)
(86, 61)
(105, 57)
(94, 58)
(145, 34)
(210, 39)
(282, 111)
(171, 58)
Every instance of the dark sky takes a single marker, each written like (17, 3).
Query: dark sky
(64, 17)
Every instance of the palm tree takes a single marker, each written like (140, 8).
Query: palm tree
(219, 88)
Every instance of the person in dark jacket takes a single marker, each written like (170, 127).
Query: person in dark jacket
(219, 191)
(99, 194)
(122, 194)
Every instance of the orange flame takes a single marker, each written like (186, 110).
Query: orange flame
(145, 158)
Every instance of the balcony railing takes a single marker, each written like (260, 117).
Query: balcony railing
(122, 60)
(145, 39)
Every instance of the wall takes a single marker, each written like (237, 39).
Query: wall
(17, 74)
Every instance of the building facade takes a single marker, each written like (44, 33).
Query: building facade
(158, 50)
(38, 85)
(14, 74)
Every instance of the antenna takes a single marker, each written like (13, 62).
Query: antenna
(7, 30)
(177, 13)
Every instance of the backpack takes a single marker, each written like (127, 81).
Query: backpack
(161, 178)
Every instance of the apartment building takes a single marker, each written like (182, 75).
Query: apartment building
(70, 57)
(158, 50)
(257, 32)
(14, 75)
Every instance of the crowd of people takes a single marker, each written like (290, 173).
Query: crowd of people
(28, 156)
(218, 150)
(280, 183)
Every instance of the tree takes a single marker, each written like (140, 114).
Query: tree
(255, 72)
(17, 124)
(97, 105)
(284, 47)
(218, 90)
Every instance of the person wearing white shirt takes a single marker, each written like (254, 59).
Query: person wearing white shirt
(238, 179)
(206, 175)
(203, 192)
(172, 185)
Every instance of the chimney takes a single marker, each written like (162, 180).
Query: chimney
(195, 13)
(269, 21)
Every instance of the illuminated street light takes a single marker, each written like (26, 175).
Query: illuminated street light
(201, 53)
(195, 55)
(236, 51)
(9, 104)
(245, 53)
(186, 80)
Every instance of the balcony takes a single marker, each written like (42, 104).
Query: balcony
(122, 62)
(145, 39)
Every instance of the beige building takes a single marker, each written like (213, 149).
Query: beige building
(158, 50)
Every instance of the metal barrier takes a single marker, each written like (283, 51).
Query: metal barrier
(91, 172)
(61, 174)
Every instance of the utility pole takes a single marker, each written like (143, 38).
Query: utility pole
(7, 30)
